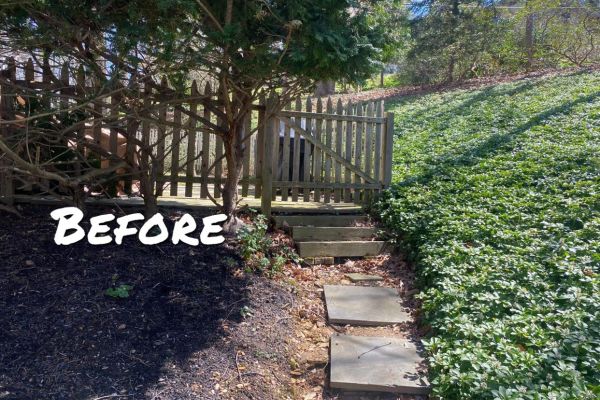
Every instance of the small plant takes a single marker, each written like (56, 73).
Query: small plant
(119, 292)
(259, 251)
(254, 239)
(246, 312)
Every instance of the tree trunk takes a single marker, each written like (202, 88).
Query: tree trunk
(381, 78)
(450, 76)
(325, 88)
(150, 205)
(529, 40)
(79, 197)
(234, 154)
(147, 177)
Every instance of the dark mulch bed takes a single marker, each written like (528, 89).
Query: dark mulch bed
(180, 334)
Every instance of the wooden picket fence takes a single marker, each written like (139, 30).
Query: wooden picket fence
(314, 150)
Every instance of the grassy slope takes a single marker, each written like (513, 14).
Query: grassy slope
(498, 197)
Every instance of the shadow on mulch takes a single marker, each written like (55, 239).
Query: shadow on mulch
(62, 337)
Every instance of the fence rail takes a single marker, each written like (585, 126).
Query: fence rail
(312, 150)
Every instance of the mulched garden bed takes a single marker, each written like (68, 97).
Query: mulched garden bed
(194, 325)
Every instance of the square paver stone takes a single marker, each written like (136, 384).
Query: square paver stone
(376, 364)
(364, 305)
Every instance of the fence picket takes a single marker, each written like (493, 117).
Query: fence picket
(349, 140)
(285, 158)
(205, 149)
(29, 71)
(113, 139)
(191, 143)
(7, 189)
(80, 90)
(247, 152)
(297, 155)
(368, 147)
(98, 114)
(339, 132)
(175, 147)
(307, 153)
(329, 143)
(219, 152)
(388, 150)
(318, 156)
(160, 144)
(378, 130)
(145, 154)
(132, 127)
(260, 147)
(46, 80)
(267, 172)
(358, 146)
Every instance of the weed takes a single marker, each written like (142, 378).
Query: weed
(119, 292)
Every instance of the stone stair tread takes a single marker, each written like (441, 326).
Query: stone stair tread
(350, 248)
(356, 277)
(364, 305)
(328, 233)
(319, 220)
(378, 364)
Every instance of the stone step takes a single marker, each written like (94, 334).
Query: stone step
(358, 277)
(310, 233)
(377, 364)
(364, 305)
(355, 248)
(319, 220)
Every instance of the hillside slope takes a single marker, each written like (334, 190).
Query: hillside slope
(497, 198)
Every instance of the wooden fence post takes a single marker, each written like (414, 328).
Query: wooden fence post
(7, 189)
(388, 150)
(260, 148)
(267, 165)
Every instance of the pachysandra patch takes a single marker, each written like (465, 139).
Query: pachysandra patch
(70, 231)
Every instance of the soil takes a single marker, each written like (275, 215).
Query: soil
(194, 325)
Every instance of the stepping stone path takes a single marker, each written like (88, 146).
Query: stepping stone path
(372, 363)
(359, 363)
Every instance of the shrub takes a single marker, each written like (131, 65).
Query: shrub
(260, 252)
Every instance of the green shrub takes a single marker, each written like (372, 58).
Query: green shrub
(497, 199)
(259, 251)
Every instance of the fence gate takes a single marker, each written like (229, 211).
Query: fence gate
(332, 154)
